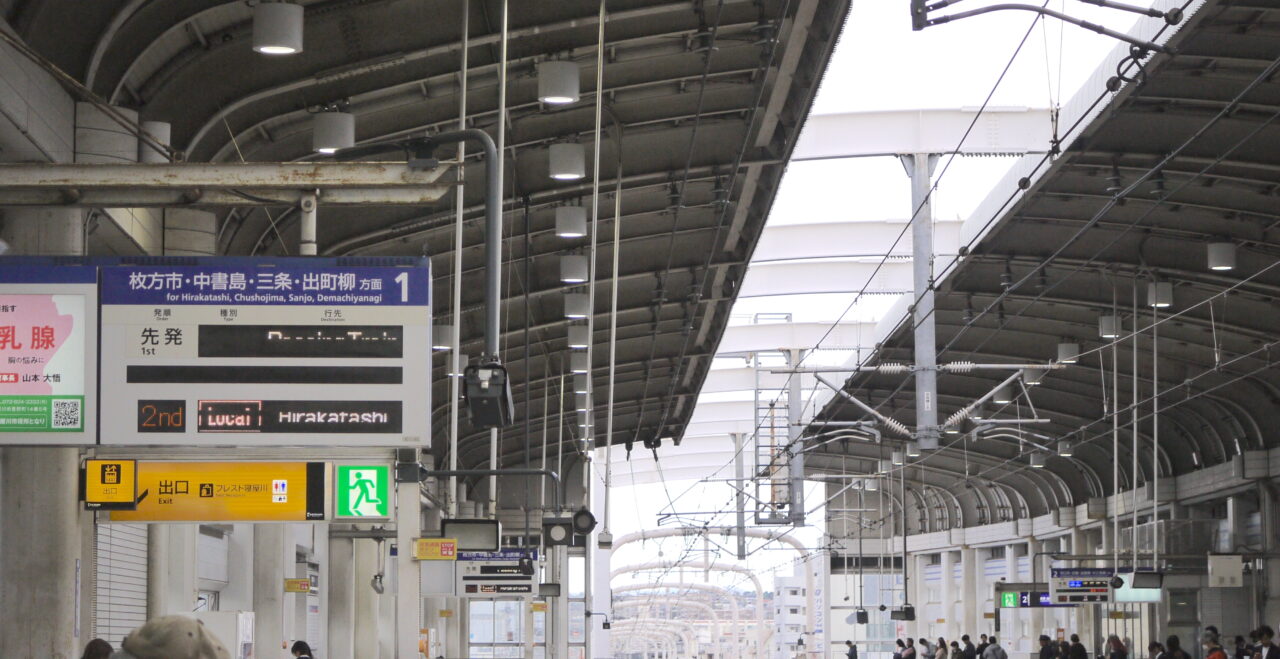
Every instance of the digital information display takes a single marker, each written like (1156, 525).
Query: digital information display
(257, 352)
(48, 353)
(505, 573)
(1081, 586)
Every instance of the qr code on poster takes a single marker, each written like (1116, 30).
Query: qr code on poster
(66, 413)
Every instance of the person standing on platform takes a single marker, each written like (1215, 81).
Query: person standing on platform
(968, 651)
(851, 651)
(1078, 650)
(1047, 648)
(994, 651)
(1266, 648)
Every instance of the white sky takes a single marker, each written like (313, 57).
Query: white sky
(880, 64)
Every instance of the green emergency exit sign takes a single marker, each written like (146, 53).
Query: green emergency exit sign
(362, 491)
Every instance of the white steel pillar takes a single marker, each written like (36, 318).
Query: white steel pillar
(269, 545)
(408, 582)
(342, 597)
(366, 618)
(1037, 615)
(919, 167)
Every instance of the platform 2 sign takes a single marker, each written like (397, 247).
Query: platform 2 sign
(227, 492)
(281, 352)
(48, 354)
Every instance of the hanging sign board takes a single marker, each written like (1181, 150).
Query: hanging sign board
(297, 585)
(110, 484)
(228, 492)
(503, 573)
(48, 353)
(1081, 585)
(255, 352)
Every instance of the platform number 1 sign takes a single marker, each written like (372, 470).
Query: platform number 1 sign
(362, 491)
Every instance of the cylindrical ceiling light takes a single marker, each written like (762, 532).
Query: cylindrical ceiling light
(1068, 353)
(1222, 256)
(882, 466)
(1037, 460)
(567, 161)
(1064, 448)
(1160, 294)
(1033, 376)
(571, 221)
(277, 28)
(897, 458)
(913, 449)
(573, 269)
(331, 131)
(579, 337)
(578, 362)
(579, 384)
(576, 305)
(580, 401)
(558, 82)
(1002, 396)
(441, 337)
(870, 484)
(1108, 326)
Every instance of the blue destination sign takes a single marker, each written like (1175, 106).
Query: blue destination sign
(269, 283)
(501, 555)
(1088, 572)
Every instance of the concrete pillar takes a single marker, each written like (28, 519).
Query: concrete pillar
(268, 590)
(920, 595)
(949, 628)
(971, 580)
(190, 232)
(39, 552)
(171, 569)
(366, 629)
(342, 598)
(99, 139)
(43, 231)
(41, 524)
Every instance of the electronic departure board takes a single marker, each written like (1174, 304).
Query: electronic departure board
(1081, 585)
(248, 352)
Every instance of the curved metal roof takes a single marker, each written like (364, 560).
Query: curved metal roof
(707, 99)
(1184, 156)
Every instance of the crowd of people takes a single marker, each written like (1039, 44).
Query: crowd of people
(1259, 645)
(172, 637)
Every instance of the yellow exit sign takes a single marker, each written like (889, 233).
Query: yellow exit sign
(110, 484)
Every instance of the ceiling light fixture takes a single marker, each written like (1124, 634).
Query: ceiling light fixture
(1108, 326)
(913, 449)
(576, 305)
(567, 161)
(277, 28)
(897, 458)
(1160, 294)
(1068, 352)
(579, 337)
(571, 221)
(1032, 377)
(578, 362)
(882, 466)
(581, 402)
(1222, 256)
(870, 484)
(1002, 396)
(580, 384)
(1064, 448)
(1037, 460)
(441, 337)
(558, 82)
(331, 131)
(573, 269)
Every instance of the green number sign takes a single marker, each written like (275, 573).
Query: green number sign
(362, 491)
(1008, 600)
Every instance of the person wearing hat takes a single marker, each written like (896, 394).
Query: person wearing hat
(171, 637)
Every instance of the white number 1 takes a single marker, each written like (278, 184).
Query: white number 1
(403, 280)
